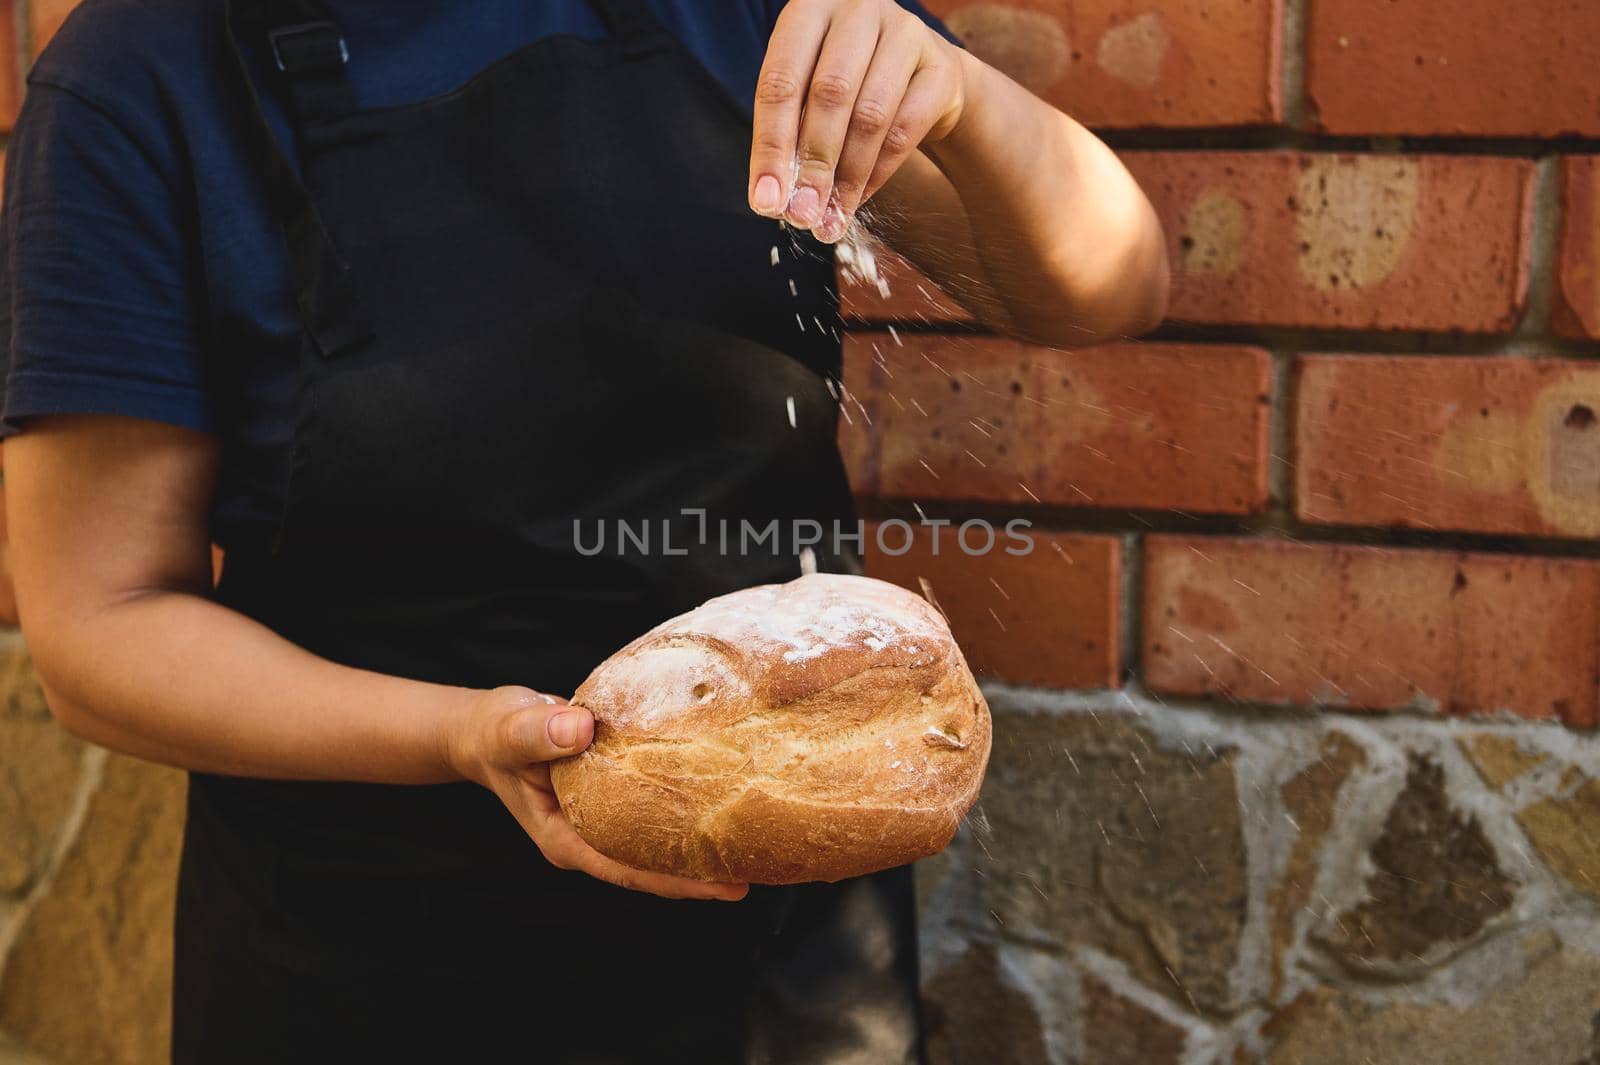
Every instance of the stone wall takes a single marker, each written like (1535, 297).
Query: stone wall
(1154, 884)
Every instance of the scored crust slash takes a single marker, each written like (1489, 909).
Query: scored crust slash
(815, 730)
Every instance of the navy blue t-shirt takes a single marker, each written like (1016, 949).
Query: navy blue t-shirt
(133, 229)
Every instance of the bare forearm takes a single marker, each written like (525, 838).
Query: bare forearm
(1066, 239)
(112, 564)
(174, 677)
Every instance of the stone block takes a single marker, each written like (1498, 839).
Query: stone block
(1436, 882)
(40, 766)
(89, 977)
(1566, 833)
(1100, 837)
(1540, 1016)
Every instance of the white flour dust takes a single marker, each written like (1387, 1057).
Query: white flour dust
(858, 262)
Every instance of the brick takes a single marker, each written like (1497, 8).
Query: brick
(1492, 445)
(1344, 241)
(1114, 65)
(1576, 308)
(858, 409)
(45, 18)
(1316, 240)
(1048, 617)
(1468, 67)
(1144, 426)
(1372, 628)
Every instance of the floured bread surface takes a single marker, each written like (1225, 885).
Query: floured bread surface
(814, 730)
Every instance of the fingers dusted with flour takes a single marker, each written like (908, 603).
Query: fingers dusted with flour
(1006, 203)
(848, 90)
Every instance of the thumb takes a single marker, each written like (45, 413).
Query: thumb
(547, 732)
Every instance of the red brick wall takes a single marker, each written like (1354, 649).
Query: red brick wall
(1360, 464)
(1384, 225)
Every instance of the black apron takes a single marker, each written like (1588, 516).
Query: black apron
(537, 300)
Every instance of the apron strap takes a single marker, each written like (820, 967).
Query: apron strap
(321, 279)
(315, 63)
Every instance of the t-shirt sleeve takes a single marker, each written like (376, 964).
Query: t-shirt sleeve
(100, 290)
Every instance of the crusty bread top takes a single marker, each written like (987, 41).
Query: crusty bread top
(770, 646)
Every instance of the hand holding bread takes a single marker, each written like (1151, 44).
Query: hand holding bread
(505, 742)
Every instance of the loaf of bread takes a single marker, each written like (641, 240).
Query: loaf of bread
(814, 730)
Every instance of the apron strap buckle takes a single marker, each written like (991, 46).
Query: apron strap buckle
(309, 48)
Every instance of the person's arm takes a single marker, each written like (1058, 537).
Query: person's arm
(1008, 204)
(109, 547)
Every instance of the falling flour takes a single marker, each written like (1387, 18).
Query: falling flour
(858, 263)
